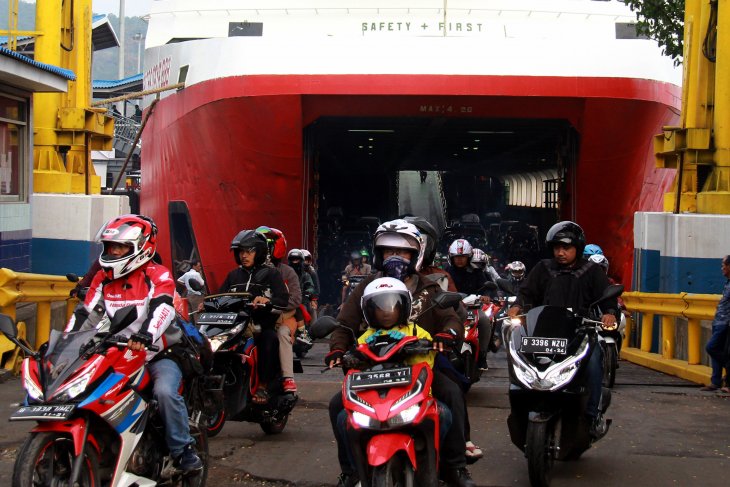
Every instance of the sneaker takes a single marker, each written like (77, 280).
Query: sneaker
(473, 453)
(598, 427)
(482, 361)
(288, 385)
(304, 338)
(188, 460)
(347, 480)
(458, 477)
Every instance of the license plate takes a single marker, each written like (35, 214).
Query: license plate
(57, 412)
(217, 319)
(543, 345)
(381, 378)
(471, 315)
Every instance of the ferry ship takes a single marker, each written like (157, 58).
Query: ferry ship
(295, 113)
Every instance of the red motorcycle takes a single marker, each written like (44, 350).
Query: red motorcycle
(392, 418)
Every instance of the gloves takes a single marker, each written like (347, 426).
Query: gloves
(333, 356)
(143, 337)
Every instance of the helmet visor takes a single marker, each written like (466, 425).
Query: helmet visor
(386, 310)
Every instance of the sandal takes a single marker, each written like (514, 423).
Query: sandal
(473, 452)
(261, 397)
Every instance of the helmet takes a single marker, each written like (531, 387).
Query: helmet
(460, 247)
(295, 254)
(355, 256)
(566, 232)
(306, 253)
(398, 234)
(386, 293)
(250, 238)
(592, 249)
(479, 259)
(601, 260)
(429, 235)
(137, 232)
(275, 241)
(365, 254)
(516, 270)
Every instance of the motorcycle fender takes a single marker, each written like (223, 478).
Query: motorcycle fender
(540, 417)
(609, 340)
(74, 428)
(381, 448)
(465, 347)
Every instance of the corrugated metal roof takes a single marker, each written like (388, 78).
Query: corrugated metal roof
(65, 73)
(99, 84)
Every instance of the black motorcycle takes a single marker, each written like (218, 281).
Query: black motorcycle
(547, 358)
(226, 322)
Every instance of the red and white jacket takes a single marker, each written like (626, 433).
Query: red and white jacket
(150, 288)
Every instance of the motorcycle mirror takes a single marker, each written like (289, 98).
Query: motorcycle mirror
(72, 277)
(490, 286)
(7, 326)
(446, 299)
(195, 285)
(611, 292)
(122, 319)
(323, 326)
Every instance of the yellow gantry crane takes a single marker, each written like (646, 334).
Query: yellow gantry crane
(66, 127)
(700, 147)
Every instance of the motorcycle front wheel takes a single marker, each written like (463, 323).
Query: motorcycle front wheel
(394, 473)
(538, 451)
(274, 427)
(215, 423)
(47, 459)
(610, 365)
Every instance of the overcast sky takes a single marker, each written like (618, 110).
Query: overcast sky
(132, 8)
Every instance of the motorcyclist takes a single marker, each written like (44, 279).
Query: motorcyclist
(309, 268)
(128, 276)
(286, 325)
(467, 279)
(430, 241)
(571, 281)
(480, 261)
(295, 257)
(516, 272)
(365, 255)
(592, 249)
(354, 268)
(397, 253)
(271, 298)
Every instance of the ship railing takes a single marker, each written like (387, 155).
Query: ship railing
(41, 289)
(125, 128)
(676, 346)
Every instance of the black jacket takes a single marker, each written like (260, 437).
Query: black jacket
(551, 284)
(468, 280)
(260, 281)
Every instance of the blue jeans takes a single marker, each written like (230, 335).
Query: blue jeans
(595, 381)
(166, 377)
(715, 349)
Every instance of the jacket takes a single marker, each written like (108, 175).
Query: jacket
(435, 320)
(260, 281)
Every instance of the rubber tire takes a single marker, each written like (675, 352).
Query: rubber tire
(612, 365)
(274, 428)
(394, 473)
(539, 457)
(300, 353)
(218, 421)
(36, 444)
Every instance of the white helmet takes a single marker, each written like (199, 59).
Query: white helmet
(398, 234)
(386, 293)
(307, 254)
(516, 270)
(479, 259)
(601, 260)
(460, 246)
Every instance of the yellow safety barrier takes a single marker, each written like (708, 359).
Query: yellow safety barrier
(694, 307)
(21, 287)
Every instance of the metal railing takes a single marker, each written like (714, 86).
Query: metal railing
(21, 287)
(694, 308)
(125, 129)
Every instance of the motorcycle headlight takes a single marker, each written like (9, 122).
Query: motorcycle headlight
(560, 377)
(524, 373)
(365, 421)
(217, 341)
(75, 387)
(406, 416)
(33, 390)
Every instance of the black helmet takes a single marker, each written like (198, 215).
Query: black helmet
(295, 254)
(566, 232)
(250, 238)
(429, 235)
(355, 256)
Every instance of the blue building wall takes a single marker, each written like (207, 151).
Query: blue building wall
(15, 250)
(59, 257)
(657, 273)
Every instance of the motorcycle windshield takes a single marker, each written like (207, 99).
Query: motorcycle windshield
(62, 358)
(551, 322)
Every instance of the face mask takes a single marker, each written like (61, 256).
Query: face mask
(396, 267)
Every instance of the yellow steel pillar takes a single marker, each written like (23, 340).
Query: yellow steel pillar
(66, 126)
(668, 339)
(647, 331)
(715, 196)
(43, 323)
(694, 333)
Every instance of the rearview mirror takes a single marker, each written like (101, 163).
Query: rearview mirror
(7, 326)
(446, 299)
(490, 286)
(72, 277)
(122, 319)
(611, 292)
(323, 326)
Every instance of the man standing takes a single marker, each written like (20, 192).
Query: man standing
(194, 297)
(716, 345)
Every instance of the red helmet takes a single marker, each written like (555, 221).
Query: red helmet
(137, 232)
(276, 242)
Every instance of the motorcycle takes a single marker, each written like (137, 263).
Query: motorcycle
(226, 322)
(351, 282)
(394, 424)
(547, 361)
(97, 422)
